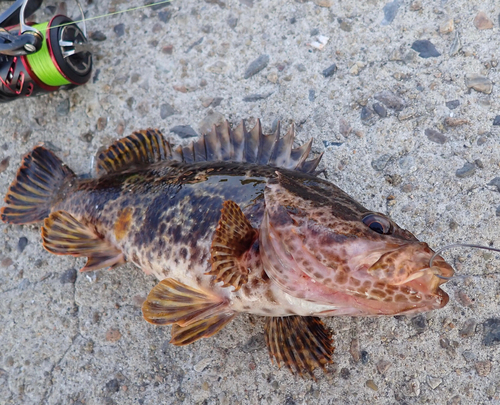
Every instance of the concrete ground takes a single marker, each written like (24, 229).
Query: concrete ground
(411, 136)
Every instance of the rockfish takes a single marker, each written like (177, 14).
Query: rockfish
(237, 221)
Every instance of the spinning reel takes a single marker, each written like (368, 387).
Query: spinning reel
(40, 58)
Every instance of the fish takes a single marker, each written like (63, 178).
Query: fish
(237, 221)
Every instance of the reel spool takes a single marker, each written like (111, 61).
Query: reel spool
(41, 58)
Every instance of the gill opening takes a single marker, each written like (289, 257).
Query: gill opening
(454, 245)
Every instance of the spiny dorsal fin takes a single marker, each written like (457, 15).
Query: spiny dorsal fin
(221, 144)
(233, 237)
(138, 149)
(63, 234)
(301, 342)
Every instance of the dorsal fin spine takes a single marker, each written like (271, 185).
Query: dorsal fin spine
(221, 144)
(276, 140)
(238, 141)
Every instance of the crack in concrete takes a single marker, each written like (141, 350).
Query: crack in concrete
(47, 394)
(49, 377)
(8, 290)
(5, 375)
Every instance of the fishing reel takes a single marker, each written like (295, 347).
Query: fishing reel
(40, 58)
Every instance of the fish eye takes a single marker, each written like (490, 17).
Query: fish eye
(378, 223)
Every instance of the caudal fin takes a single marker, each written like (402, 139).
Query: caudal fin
(37, 185)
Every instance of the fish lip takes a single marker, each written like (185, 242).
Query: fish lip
(446, 271)
(419, 255)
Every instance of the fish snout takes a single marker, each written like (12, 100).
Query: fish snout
(411, 262)
(439, 267)
(442, 270)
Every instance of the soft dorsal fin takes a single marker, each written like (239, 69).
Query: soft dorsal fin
(138, 149)
(221, 144)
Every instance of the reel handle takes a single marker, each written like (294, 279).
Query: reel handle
(23, 44)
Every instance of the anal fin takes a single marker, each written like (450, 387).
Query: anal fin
(63, 234)
(302, 343)
(234, 236)
(198, 314)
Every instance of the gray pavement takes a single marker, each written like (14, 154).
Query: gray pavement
(423, 152)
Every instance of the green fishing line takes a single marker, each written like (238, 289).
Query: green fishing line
(42, 64)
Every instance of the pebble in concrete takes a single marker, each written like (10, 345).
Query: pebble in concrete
(390, 100)
(491, 332)
(479, 83)
(256, 66)
(425, 49)
(467, 170)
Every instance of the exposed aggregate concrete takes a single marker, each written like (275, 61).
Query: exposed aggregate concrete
(411, 136)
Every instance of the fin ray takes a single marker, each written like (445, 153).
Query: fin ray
(63, 234)
(138, 149)
(222, 143)
(301, 343)
(202, 328)
(38, 183)
(173, 302)
(233, 237)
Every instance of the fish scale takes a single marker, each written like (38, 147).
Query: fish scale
(235, 222)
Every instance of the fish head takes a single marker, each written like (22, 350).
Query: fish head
(360, 262)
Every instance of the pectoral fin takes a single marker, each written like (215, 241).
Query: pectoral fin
(63, 234)
(233, 237)
(196, 313)
(302, 343)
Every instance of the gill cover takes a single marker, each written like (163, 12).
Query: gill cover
(315, 245)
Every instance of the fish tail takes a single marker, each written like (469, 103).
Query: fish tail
(37, 186)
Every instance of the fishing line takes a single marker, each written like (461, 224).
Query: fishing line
(42, 65)
(115, 13)
(41, 58)
(454, 245)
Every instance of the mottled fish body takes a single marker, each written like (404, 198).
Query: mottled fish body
(235, 222)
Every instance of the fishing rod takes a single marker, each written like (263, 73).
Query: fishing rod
(41, 58)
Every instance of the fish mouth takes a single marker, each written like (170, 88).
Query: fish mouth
(431, 278)
(409, 263)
